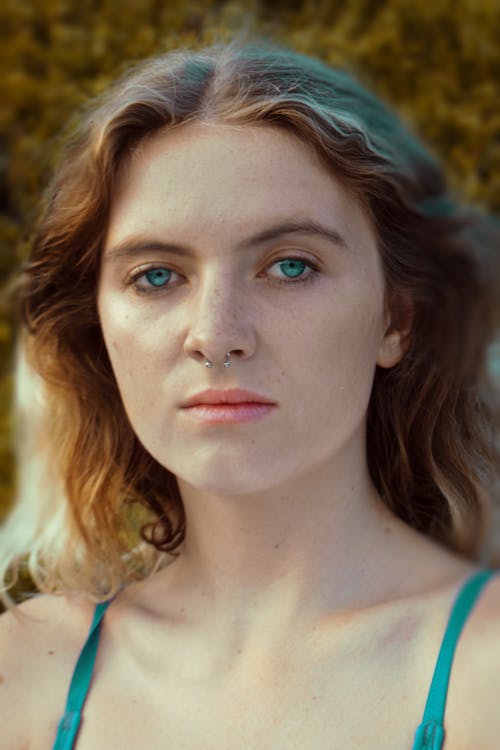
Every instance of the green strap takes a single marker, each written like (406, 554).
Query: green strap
(430, 733)
(80, 682)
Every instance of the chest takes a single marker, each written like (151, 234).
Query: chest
(348, 711)
(336, 702)
(365, 692)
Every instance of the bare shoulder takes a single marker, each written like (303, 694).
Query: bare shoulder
(43, 618)
(39, 644)
(472, 714)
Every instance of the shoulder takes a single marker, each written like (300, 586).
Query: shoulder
(39, 644)
(472, 715)
(43, 618)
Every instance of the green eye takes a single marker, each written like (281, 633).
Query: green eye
(291, 272)
(158, 276)
(154, 280)
(292, 267)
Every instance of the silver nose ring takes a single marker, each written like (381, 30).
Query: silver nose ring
(226, 363)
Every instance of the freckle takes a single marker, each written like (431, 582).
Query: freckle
(276, 546)
(387, 529)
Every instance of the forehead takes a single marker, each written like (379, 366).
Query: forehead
(211, 175)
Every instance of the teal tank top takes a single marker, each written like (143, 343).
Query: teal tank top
(428, 736)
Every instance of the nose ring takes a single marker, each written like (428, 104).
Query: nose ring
(227, 363)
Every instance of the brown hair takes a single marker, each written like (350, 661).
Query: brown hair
(430, 446)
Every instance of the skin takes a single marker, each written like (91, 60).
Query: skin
(300, 613)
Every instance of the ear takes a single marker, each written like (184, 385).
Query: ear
(398, 320)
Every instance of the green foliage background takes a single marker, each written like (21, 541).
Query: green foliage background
(437, 61)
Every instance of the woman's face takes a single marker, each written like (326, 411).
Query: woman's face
(186, 276)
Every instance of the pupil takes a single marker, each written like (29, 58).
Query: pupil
(157, 276)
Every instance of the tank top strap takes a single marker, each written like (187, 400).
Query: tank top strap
(80, 683)
(430, 734)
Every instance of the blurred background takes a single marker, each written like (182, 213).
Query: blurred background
(436, 61)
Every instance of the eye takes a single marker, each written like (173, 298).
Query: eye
(158, 276)
(294, 268)
(156, 279)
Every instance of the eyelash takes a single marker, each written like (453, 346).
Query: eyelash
(311, 277)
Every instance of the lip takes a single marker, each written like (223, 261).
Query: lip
(216, 397)
(228, 413)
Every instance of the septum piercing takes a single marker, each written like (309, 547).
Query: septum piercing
(226, 363)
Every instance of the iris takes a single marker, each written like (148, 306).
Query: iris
(294, 265)
(158, 276)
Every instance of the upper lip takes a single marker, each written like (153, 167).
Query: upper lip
(232, 396)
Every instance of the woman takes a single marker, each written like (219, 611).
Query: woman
(257, 312)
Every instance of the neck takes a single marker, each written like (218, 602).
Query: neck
(322, 542)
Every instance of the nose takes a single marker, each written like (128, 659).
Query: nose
(220, 320)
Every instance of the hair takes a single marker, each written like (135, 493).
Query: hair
(431, 418)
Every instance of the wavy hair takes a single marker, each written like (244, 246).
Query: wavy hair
(431, 446)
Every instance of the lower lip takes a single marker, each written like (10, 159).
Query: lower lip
(228, 413)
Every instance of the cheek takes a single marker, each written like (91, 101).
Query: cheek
(129, 352)
(126, 334)
(349, 332)
(340, 357)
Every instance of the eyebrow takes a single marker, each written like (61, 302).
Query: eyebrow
(133, 246)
